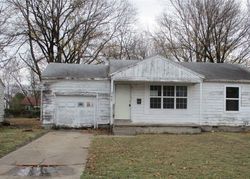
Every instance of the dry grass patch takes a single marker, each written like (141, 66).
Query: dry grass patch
(12, 138)
(208, 155)
(25, 122)
(20, 132)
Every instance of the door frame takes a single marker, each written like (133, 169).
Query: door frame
(130, 99)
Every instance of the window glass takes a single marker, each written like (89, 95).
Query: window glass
(155, 90)
(168, 97)
(168, 90)
(181, 103)
(232, 105)
(181, 91)
(232, 99)
(232, 92)
(155, 103)
(168, 103)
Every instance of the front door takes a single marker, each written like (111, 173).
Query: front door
(122, 102)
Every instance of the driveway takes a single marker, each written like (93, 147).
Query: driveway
(60, 154)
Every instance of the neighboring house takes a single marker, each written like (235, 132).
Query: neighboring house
(1, 101)
(155, 92)
(30, 102)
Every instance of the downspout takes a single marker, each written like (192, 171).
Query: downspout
(41, 102)
(96, 111)
(201, 101)
(111, 102)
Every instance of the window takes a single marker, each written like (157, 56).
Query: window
(168, 97)
(232, 98)
(80, 104)
(181, 97)
(155, 97)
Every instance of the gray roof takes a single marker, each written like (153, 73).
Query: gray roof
(60, 70)
(211, 71)
(219, 71)
(116, 65)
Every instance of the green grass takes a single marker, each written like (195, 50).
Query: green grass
(208, 155)
(11, 138)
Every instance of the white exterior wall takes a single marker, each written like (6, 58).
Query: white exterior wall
(213, 106)
(164, 72)
(1, 102)
(141, 113)
(100, 89)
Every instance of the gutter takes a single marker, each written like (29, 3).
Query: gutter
(226, 81)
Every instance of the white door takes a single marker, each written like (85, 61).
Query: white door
(122, 102)
(75, 111)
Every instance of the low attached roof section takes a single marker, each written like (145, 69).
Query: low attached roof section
(60, 70)
(219, 71)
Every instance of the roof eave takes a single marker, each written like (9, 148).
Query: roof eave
(72, 78)
(226, 81)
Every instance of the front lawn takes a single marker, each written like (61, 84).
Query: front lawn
(208, 155)
(20, 132)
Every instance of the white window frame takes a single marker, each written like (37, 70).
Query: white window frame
(225, 98)
(162, 97)
(180, 97)
(172, 97)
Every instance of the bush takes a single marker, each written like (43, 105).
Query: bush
(31, 113)
(22, 113)
(12, 112)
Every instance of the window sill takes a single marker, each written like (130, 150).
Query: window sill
(231, 112)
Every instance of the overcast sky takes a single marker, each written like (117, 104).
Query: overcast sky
(149, 10)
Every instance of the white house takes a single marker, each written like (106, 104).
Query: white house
(151, 95)
(1, 101)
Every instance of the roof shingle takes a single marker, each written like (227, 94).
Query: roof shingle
(60, 70)
(211, 71)
(219, 71)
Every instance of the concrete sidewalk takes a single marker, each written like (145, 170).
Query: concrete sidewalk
(64, 152)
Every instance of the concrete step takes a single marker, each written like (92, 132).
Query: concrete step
(133, 130)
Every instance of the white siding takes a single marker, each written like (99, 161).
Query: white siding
(214, 105)
(99, 89)
(1, 102)
(141, 113)
(157, 69)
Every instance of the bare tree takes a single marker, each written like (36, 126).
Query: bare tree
(204, 31)
(128, 45)
(13, 78)
(68, 31)
(10, 70)
(6, 37)
(34, 88)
